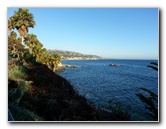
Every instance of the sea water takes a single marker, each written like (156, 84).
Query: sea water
(98, 82)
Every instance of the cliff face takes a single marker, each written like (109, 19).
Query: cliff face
(69, 55)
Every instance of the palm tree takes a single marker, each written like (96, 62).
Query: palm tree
(31, 40)
(15, 48)
(12, 43)
(13, 35)
(40, 55)
(47, 60)
(9, 26)
(57, 58)
(37, 51)
(56, 61)
(22, 20)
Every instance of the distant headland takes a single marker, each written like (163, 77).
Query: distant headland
(70, 55)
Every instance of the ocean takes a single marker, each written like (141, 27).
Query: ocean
(98, 82)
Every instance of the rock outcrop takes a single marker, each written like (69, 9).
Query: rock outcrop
(114, 65)
(71, 66)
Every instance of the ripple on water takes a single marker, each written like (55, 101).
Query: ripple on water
(99, 82)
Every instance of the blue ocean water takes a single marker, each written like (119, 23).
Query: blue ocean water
(99, 82)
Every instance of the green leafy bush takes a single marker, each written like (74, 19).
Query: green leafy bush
(15, 94)
(30, 59)
(17, 72)
(150, 102)
(119, 110)
(22, 114)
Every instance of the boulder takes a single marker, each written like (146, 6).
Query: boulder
(71, 66)
(114, 65)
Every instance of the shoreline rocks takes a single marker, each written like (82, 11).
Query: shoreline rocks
(71, 66)
(114, 65)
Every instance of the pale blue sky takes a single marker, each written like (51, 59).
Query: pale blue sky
(122, 33)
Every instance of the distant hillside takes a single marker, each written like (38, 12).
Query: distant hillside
(69, 55)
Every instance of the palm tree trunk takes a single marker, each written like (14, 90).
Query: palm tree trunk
(22, 41)
(18, 56)
(30, 50)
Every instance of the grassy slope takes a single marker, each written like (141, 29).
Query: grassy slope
(49, 97)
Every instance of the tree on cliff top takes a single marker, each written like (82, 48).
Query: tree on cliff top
(21, 20)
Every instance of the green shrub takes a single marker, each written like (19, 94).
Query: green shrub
(30, 59)
(17, 72)
(22, 114)
(150, 103)
(17, 93)
(118, 110)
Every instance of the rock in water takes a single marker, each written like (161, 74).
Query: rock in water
(71, 66)
(114, 65)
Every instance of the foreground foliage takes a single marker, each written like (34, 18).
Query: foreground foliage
(118, 110)
(150, 100)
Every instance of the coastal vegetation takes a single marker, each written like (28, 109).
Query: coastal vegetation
(150, 100)
(35, 92)
(28, 45)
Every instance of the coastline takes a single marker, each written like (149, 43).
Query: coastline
(53, 98)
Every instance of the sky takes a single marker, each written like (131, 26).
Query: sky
(115, 33)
